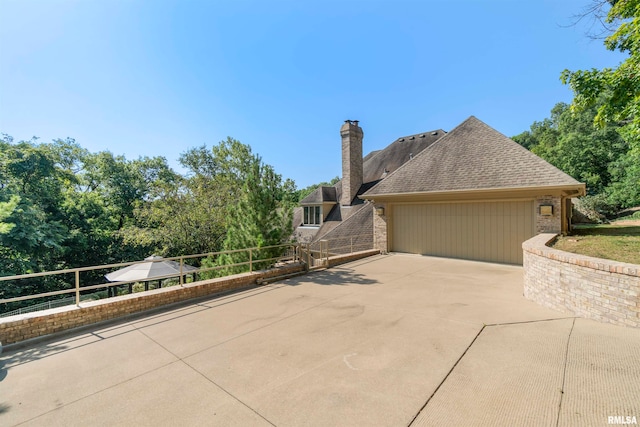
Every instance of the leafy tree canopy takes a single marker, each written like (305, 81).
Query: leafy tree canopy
(621, 85)
(615, 92)
(6, 209)
(570, 142)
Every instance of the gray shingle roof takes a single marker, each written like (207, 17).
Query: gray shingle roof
(320, 195)
(358, 225)
(472, 156)
(396, 154)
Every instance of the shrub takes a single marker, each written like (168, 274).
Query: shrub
(597, 208)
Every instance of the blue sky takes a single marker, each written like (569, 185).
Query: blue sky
(156, 77)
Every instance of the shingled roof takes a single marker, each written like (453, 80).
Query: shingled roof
(358, 227)
(472, 156)
(377, 165)
(320, 195)
(380, 163)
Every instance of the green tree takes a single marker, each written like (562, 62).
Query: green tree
(570, 142)
(29, 172)
(189, 214)
(261, 217)
(72, 206)
(620, 89)
(6, 209)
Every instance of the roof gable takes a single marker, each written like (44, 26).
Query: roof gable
(472, 156)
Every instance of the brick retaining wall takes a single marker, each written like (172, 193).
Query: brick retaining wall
(594, 288)
(15, 329)
(341, 259)
(26, 326)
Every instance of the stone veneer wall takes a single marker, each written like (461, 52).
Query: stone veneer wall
(594, 288)
(549, 224)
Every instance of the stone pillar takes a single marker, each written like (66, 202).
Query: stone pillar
(352, 173)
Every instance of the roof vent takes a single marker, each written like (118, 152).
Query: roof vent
(434, 133)
(413, 137)
(401, 139)
(422, 136)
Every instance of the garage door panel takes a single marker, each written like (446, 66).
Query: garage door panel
(486, 231)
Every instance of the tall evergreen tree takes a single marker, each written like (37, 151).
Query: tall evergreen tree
(261, 218)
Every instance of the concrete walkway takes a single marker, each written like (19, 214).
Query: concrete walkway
(391, 340)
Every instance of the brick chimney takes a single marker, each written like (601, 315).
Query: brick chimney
(351, 135)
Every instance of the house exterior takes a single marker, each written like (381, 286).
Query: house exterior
(472, 193)
(336, 212)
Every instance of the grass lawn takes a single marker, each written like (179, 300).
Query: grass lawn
(611, 241)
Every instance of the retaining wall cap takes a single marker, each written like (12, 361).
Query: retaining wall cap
(537, 245)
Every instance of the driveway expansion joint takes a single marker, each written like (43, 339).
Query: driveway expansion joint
(564, 371)
(180, 359)
(447, 376)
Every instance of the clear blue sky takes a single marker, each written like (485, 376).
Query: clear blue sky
(156, 77)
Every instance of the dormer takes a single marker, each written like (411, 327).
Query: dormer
(317, 205)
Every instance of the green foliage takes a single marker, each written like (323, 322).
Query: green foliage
(621, 84)
(570, 142)
(597, 208)
(260, 218)
(616, 93)
(62, 207)
(68, 207)
(6, 209)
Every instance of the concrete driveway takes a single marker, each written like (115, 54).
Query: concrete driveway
(390, 340)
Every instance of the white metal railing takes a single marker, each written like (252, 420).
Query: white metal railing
(289, 252)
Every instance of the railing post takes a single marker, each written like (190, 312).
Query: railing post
(327, 254)
(78, 288)
(181, 276)
(250, 260)
(351, 251)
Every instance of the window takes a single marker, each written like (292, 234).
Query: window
(312, 215)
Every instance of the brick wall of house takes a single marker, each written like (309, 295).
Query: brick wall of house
(352, 165)
(549, 224)
(594, 288)
(380, 239)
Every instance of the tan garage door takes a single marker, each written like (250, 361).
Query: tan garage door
(486, 231)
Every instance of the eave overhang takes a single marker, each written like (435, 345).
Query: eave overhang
(573, 190)
(318, 203)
